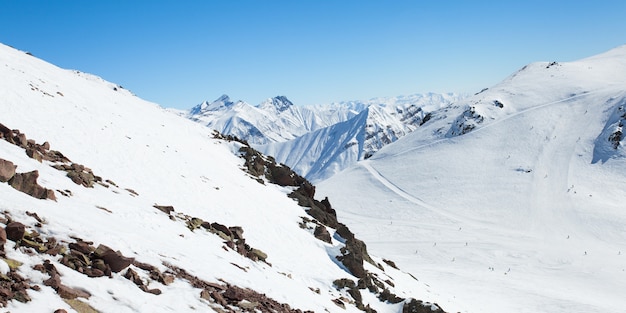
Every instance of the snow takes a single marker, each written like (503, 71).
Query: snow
(522, 213)
(166, 160)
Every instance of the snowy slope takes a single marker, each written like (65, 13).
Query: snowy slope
(147, 156)
(510, 201)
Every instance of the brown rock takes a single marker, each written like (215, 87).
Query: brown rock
(46, 146)
(66, 292)
(34, 154)
(15, 231)
(7, 170)
(27, 183)
(115, 260)
(167, 209)
(223, 229)
(234, 294)
(134, 277)
(205, 294)
(54, 281)
(322, 233)
(3, 238)
(21, 140)
(218, 298)
(60, 311)
(81, 246)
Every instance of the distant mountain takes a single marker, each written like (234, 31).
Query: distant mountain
(274, 120)
(320, 140)
(511, 200)
(109, 203)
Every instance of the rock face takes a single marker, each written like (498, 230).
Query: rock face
(7, 170)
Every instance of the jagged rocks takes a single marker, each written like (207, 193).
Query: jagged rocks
(79, 174)
(27, 183)
(353, 255)
(7, 170)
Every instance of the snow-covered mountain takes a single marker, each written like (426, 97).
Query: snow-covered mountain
(274, 120)
(320, 154)
(112, 204)
(511, 200)
(320, 140)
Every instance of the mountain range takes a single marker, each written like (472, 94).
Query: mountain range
(318, 141)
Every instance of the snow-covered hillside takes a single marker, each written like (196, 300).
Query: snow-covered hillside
(155, 213)
(512, 200)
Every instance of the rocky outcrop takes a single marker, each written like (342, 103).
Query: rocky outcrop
(233, 297)
(27, 183)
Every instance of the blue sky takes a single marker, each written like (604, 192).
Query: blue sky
(180, 53)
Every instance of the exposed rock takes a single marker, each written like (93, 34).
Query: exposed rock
(259, 254)
(237, 232)
(322, 233)
(234, 294)
(221, 228)
(15, 231)
(7, 170)
(167, 209)
(66, 292)
(60, 311)
(3, 238)
(390, 263)
(417, 306)
(34, 154)
(115, 260)
(27, 183)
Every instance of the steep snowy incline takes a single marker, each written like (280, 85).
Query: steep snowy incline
(514, 201)
(159, 189)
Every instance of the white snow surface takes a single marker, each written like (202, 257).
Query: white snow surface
(167, 160)
(512, 200)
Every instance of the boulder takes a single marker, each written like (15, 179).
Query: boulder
(115, 260)
(15, 231)
(7, 170)
(322, 233)
(27, 183)
(34, 154)
(66, 292)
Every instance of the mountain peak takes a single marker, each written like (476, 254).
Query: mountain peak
(280, 103)
(220, 103)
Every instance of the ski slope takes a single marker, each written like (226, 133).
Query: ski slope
(522, 213)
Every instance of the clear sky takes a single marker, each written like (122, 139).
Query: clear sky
(180, 53)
